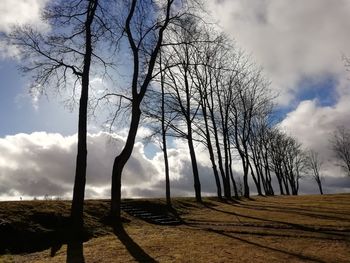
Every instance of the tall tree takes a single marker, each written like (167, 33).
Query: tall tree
(159, 117)
(183, 90)
(222, 62)
(80, 173)
(200, 78)
(164, 135)
(144, 27)
(251, 95)
(62, 58)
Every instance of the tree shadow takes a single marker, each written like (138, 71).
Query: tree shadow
(133, 248)
(261, 228)
(322, 214)
(323, 230)
(302, 257)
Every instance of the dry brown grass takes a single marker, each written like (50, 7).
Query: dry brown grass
(264, 229)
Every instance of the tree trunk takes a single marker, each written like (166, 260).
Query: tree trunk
(225, 178)
(197, 184)
(279, 179)
(165, 155)
(210, 148)
(285, 182)
(121, 159)
(215, 170)
(167, 177)
(257, 161)
(80, 170)
(268, 174)
(231, 173)
(319, 183)
(245, 178)
(245, 183)
(256, 181)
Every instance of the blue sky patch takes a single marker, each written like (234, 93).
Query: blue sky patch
(322, 89)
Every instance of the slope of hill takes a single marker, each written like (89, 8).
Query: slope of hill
(263, 229)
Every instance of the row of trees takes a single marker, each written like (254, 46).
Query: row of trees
(211, 94)
(185, 78)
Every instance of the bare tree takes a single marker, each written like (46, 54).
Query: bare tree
(248, 103)
(340, 143)
(62, 58)
(314, 165)
(294, 163)
(183, 90)
(164, 128)
(259, 144)
(159, 119)
(202, 84)
(220, 66)
(289, 161)
(144, 28)
(276, 155)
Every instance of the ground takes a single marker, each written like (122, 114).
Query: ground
(263, 229)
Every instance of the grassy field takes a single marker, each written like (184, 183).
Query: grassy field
(263, 229)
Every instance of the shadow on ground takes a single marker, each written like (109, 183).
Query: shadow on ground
(133, 248)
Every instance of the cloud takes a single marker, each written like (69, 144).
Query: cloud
(20, 12)
(291, 41)
(41, 163)
(313, 125)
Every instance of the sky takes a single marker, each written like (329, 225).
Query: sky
(299, 46)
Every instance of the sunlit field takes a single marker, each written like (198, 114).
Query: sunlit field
(264, 229)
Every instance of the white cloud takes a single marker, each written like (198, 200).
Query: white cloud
(20, 12)
(44, 163)
(41, 163)
(313, 125)
(290, 40)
